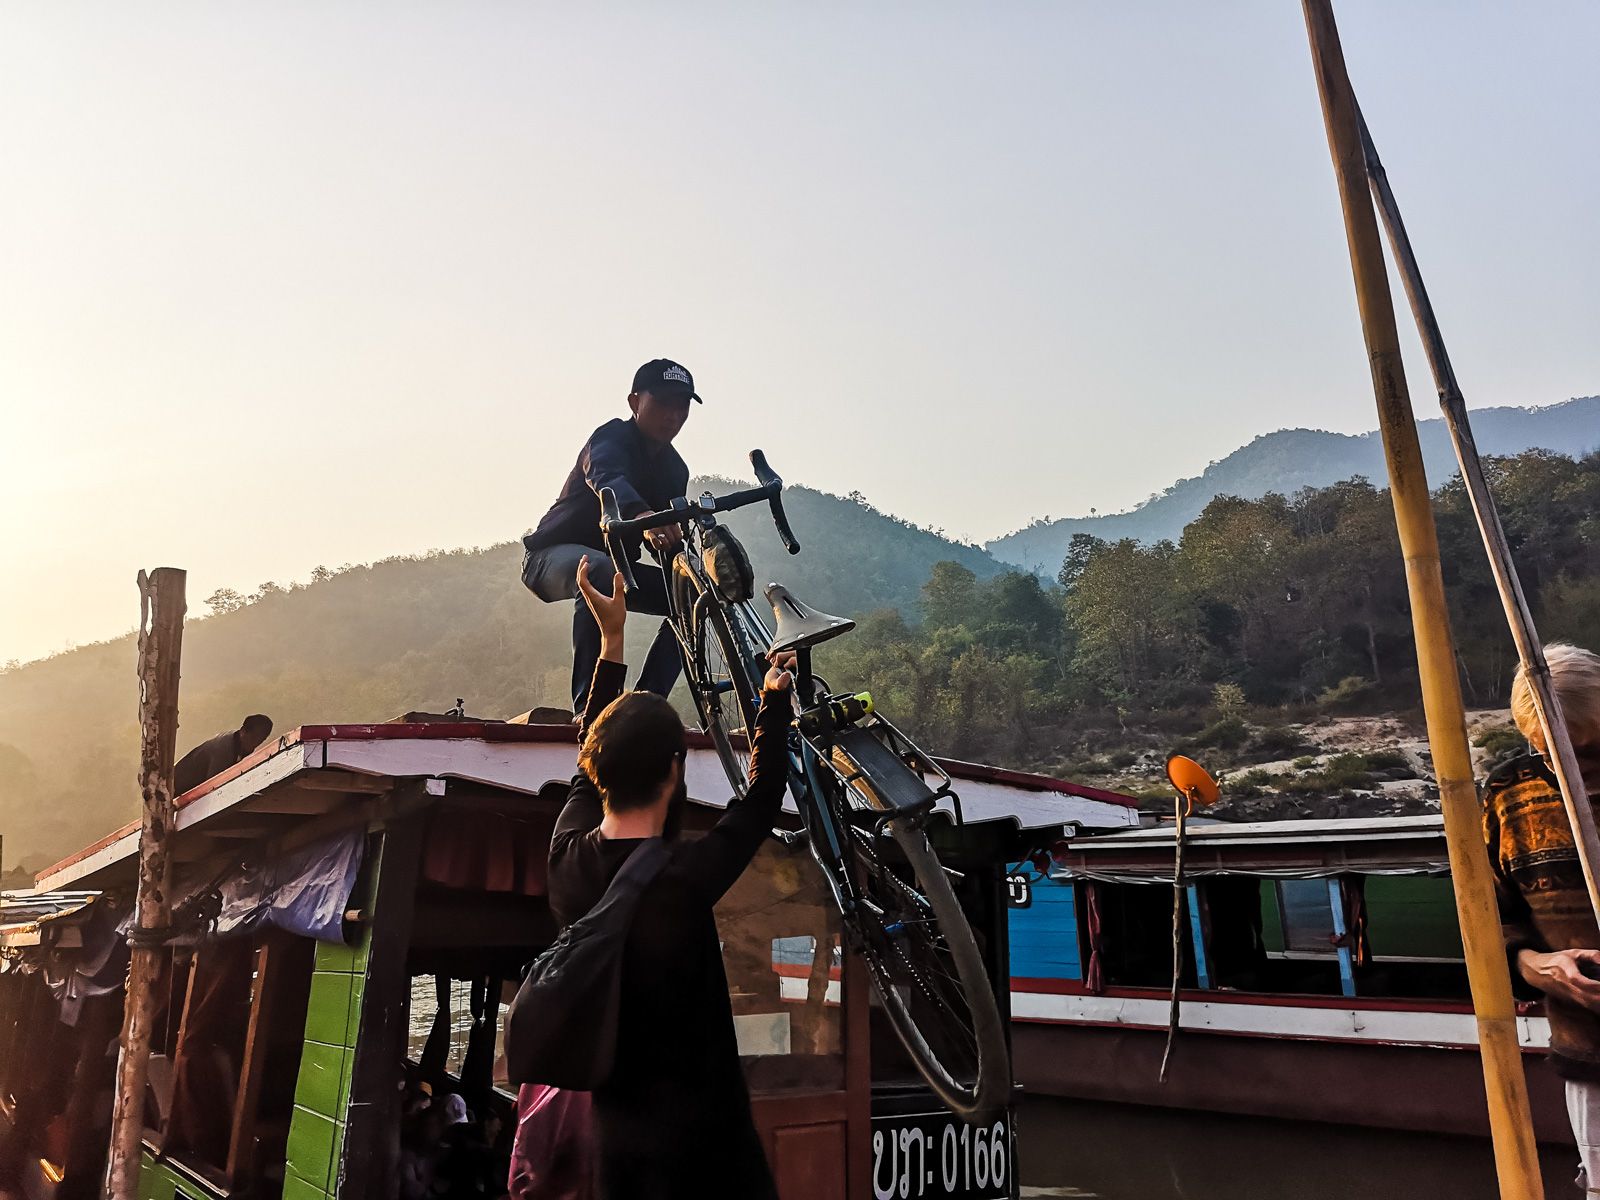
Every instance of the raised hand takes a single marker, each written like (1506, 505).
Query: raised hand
(610, 612)
(777, 680)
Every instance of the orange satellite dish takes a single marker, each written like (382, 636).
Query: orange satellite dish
(1192, 780)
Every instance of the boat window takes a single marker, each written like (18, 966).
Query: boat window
(1307, 913)
(1136, 936)
(1413, 917)
(780, 949)
(1235, 951)
(455, 1033)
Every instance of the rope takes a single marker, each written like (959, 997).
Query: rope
(1182, 809)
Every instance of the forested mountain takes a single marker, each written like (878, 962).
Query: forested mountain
(1291, 459)
(1275, 610)
(366, 643)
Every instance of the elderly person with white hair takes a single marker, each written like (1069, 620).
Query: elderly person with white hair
(1545, 914)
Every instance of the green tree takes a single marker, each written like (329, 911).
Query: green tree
(950, 597)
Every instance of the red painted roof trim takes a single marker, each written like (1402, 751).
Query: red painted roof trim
(1036, 783)
(500, 731)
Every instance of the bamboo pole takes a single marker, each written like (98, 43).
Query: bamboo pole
(1516, 1158)
(1530, 649)
(161, 609)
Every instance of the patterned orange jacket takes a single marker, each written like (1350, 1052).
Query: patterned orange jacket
(1544, 904)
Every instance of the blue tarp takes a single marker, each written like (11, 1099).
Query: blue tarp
(304, 892)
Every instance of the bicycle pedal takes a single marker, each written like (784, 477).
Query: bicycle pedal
(792, 839)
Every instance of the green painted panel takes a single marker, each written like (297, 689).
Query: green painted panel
(322, 1091)
(310, 1150)
(328, 1007)
(344, 1085)
(321, 1086)
(338, 1153)
(155, 1181)
(342, 958)
(1412, 916)
(159, 1181)
(295, 1188)
(1271, 916)
(358, 991)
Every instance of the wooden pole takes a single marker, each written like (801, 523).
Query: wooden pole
(1530, 650)
(161, 609)
(1510, 1125)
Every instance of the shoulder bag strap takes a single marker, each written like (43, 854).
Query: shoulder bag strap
(643, 865)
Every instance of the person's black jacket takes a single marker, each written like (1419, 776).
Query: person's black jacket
(646, 476)
(674, 1122)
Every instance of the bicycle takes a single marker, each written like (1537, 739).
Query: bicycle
(862, 788)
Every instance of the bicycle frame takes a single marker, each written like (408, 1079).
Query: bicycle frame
(812, 779)
(859, 784)
(825, 837)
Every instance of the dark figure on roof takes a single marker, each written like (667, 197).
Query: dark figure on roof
(635, 459)
(215, 755)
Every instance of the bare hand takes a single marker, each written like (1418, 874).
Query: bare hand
(787, 659)
(1558, 974)
(665, 539)
(610, 612)
(777, 680)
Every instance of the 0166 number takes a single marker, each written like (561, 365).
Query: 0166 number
(935, 1155)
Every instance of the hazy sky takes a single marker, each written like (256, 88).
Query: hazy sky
(287, 284)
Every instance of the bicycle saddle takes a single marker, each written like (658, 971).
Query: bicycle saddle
(800, 626)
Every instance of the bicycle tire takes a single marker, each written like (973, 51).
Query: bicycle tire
(720, 655)
(947, 1017)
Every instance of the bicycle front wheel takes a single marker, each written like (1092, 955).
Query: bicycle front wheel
(726, 691)
(928, 971)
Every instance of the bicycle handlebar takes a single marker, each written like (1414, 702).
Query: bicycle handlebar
(614, 527)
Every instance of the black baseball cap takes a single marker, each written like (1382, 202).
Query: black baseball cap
(662, 376)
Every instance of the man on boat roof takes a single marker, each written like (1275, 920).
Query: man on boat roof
(634, 457)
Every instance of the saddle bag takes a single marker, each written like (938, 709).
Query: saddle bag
(561, 1029)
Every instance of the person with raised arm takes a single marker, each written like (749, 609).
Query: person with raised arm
(674, 1120)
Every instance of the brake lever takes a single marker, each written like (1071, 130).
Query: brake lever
(611, 514)
(768, 478)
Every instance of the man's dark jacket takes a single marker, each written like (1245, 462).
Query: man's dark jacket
(645, 475)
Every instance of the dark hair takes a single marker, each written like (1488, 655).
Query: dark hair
(629, 750)
(256, 723)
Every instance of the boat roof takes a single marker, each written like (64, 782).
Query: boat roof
(1372, 845)
(318, 773)
(24, 916)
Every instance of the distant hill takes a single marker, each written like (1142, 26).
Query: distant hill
(1291, 459)
(370, 642)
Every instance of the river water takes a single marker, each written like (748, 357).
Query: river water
(1071, 1148)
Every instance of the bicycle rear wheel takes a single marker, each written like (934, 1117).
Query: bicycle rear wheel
(727, 692)
(928, 971)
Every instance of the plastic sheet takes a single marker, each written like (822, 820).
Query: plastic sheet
(98, 967)
(304, 892)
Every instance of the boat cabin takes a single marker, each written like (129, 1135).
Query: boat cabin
(352, 908)
(1322, 976)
